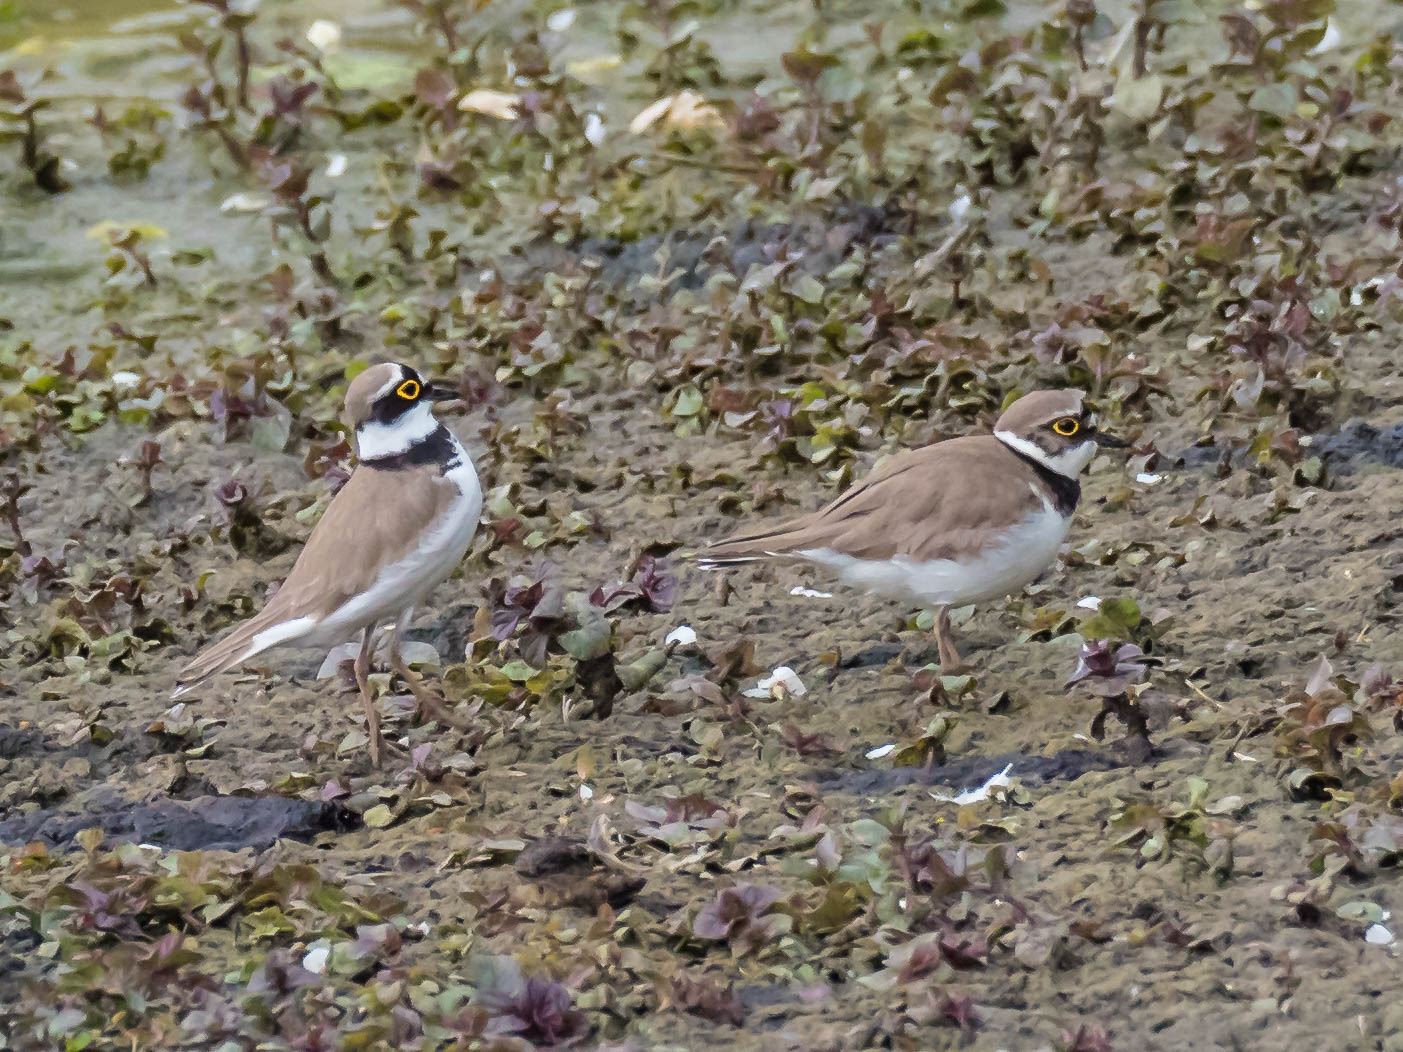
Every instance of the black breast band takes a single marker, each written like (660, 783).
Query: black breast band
(1065, 491)
(435, 448)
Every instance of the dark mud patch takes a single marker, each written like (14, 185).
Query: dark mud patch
(16, 741)
(811, 246)
(1355, 445)
(1360, 443)
(220, 823)
(972, 771)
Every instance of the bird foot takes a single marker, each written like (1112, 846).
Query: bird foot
(428, 703)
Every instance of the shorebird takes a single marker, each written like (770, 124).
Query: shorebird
(956, 522)
(395, 531)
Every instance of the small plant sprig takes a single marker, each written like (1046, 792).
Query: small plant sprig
(441, 18)
(306, 213)
(680, 59)
(1110, 672)
(543, 620)
(11, 490)
(234, 20)
(1200, 830)
(19, 122)
(1320, 730)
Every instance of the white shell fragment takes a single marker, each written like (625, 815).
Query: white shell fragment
(316, 958)
(1378, 935)
(682, 636)
(1146, 478)
(880, 751)
(782, 682)
(810, 593)
(1089, 602)
(974, 796)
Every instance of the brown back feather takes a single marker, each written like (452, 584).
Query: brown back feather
(375, 519)
(905, 508)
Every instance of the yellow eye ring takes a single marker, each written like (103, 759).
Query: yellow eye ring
(1067, 426)
(409, 390)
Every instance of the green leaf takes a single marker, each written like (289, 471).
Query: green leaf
(1117, 619)
(689, 401)
(589, 640)
(1361, 910)
(869, 832)
(378, 817)
(637, 673)
(518, 671)
(1278, 99)
(809, 289)
(1138, 99)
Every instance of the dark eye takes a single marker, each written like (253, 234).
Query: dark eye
(1067, 426)
(409, 390)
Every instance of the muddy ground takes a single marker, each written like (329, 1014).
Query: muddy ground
(682, 865)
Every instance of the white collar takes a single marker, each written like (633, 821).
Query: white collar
(375, 440)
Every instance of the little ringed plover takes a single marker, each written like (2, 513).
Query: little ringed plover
(395, 530)
(956, 522)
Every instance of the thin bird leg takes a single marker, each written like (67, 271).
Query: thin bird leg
(950, 661)
(427, 700)
(372, 714)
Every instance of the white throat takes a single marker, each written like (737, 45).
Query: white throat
(374, 439)
(1069, 463)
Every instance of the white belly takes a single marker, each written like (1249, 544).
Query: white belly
(408, 581)
(1022, 553)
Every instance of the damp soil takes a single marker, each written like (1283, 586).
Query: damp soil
(1157, 952)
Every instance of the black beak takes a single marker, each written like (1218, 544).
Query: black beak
(441, 391)
(1109, 441)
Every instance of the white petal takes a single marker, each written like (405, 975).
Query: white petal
(500, 104)
(336, 165)
(880, 751)
(810, 593)
(649, 115)
(560, 21)
(1147, 479)
(315, 961)
(1329, 41)
(244, 203)
(1089, 602)
(594, 128)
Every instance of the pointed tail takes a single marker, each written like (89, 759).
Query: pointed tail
(252, 637)
(774, 543)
